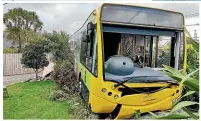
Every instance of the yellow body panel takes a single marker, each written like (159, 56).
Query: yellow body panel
(101, 102)
(100, 105)
(128, 111)
(160, 100)
(146, 99)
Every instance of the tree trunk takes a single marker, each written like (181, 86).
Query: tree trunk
(36, 74)
(20, 48)
(20, 44)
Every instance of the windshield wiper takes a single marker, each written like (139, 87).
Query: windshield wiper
(129, 78)
(122, 83)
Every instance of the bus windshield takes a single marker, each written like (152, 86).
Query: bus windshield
(147, 48)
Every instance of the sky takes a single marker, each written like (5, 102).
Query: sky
(69, 17)
(176, 0)
(64, 0)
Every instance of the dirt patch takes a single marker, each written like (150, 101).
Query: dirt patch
(77, 107)
(79, 110)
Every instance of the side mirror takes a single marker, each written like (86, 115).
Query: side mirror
(88, 38)
(85, 37)
(90, 27)
(90, 30)
(89, 33)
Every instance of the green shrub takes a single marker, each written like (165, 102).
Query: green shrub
(192, 65)
(33, 56)
(59, 95)
(192, 61)
(9, 50)
(188, 82)
(65, 77)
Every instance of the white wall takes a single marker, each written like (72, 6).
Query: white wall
(192, 27)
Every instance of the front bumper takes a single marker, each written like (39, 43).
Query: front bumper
(128, 111)
(129, 104)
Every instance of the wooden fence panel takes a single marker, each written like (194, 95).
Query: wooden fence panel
(12, 65)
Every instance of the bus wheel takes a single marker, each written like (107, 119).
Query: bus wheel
(84, 92)
(81, 92)
(81, 88)
(104, 116)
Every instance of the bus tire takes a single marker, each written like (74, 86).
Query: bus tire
(84, 92)
(103, 116)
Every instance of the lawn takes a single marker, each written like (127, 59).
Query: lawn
(30, 100)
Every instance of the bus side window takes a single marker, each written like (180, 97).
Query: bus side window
(83, 53)
(89, 55)
(86, 48)
(92, 53)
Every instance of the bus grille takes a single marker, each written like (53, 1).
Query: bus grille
(130, 91)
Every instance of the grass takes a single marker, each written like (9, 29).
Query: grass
(30, 100)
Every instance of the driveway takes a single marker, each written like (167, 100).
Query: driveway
(7, 80)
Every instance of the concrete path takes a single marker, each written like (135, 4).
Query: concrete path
(7, 80)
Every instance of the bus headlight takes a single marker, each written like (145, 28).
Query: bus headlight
(104, 90)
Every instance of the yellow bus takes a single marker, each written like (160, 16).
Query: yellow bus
(119, 52)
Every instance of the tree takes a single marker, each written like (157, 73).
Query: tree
(58, 44)
(63, 74)
(192, 60)
(33, 56)
(19, 23)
